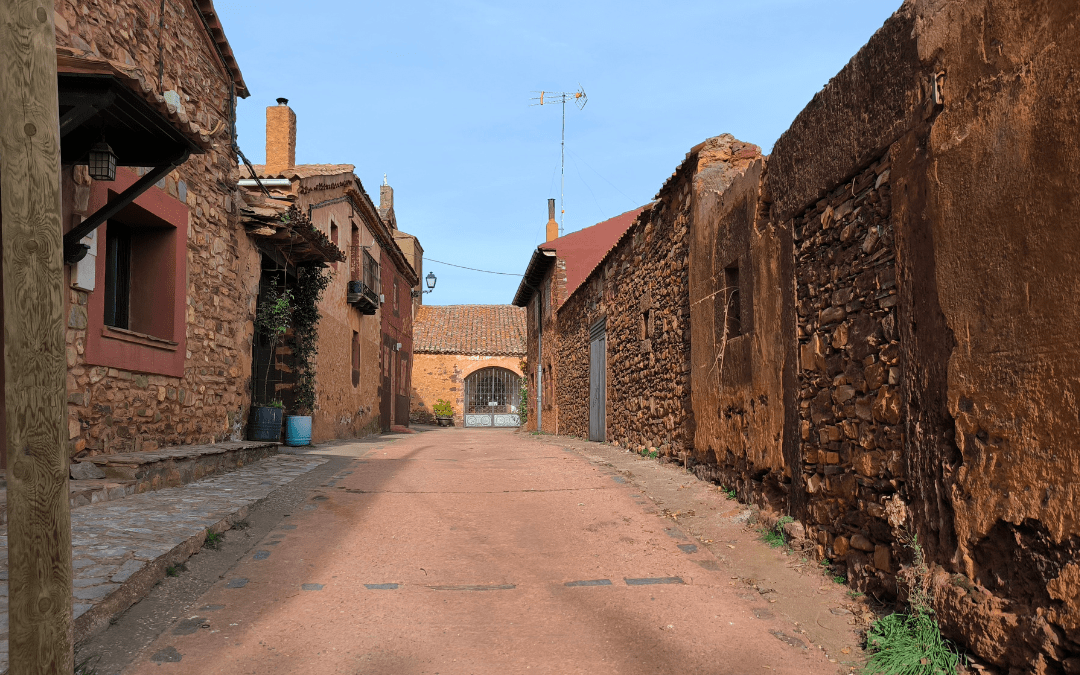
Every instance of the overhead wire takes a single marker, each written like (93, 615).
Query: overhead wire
(473, 269)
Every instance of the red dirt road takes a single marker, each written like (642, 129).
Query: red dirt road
(451, 552)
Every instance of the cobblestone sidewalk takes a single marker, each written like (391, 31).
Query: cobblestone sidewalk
(121, 548)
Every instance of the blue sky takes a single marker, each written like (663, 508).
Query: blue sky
(437, 96)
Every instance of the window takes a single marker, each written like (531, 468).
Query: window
(732, 310)
(395, 295)
(355, 359)
(646, 331)
(136, 310)
(334, 237)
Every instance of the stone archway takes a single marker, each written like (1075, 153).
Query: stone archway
(492, 397)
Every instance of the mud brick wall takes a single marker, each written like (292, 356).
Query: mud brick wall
(114, 410)
(850, 416)
(641, 289)
(742, 328)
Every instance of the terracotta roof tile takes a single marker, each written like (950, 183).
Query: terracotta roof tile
(583, 250)
(305, 170)
(488, 330)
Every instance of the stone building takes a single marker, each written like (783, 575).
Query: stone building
(158, 307)
(917, 220)
(557, 267)
(366, 309)
(881, 322)
(471, 356)
(623, 353)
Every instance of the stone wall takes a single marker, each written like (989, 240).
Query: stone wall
(442, 376)
(541, 323)
(743, 335)
(919, 219)
(640, 289)
(116, 410)
(850, 417)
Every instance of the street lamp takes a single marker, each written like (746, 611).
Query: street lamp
(430, 281)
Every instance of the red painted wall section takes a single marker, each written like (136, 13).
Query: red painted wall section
(163, 263)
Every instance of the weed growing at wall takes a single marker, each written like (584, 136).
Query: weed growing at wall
(911, 644)
(775, 536)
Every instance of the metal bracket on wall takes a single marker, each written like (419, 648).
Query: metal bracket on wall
(74, 249)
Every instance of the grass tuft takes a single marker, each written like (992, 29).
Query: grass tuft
(213, 540)
(911, 644)
(775, 536)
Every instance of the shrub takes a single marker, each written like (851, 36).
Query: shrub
(443, 408)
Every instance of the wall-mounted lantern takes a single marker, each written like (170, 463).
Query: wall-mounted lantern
(102, 162)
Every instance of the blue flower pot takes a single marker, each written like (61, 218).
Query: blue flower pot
(297, 430)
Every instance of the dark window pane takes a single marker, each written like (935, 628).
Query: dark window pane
(117, 275)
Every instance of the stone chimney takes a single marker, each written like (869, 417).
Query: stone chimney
(280, 137)
(552, 224)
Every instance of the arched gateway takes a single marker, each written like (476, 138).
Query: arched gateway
(492, 397)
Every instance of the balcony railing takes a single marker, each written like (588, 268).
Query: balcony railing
(364, 282)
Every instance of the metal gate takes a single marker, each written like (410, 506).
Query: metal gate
(492, 397)
(598, 381)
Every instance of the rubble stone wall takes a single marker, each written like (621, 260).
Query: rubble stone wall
(442, 376)
(640, 288)
(849, 410)
(743, 335)
(934, 226)
(115, 410)
(541, 313)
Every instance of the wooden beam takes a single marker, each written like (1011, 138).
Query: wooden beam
(39, 519)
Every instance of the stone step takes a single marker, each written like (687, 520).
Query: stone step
(131, 473)
(119, 550)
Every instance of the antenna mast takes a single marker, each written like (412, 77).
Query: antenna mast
(579, 99)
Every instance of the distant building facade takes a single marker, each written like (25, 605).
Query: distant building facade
(471, 356)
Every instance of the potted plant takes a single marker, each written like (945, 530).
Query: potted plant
(310, 284)
(444, 413)
(272, 320)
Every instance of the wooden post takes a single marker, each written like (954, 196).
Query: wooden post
(39, 518)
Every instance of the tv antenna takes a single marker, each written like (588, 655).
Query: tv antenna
(579, 99)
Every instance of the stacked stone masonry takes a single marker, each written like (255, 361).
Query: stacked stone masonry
(640, 289)
(850, 418)
(115, 410)
(906, 258)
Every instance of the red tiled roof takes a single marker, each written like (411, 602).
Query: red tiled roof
(305, 170)
(583, 250)
(470, 329)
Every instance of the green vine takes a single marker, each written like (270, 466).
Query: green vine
(273, 319)
(310, 284)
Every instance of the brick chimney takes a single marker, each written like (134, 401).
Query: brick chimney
(386, 204)
(552, 224)
(280, 137)
(386, 197)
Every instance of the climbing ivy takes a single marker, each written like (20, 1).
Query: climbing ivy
(311, 282)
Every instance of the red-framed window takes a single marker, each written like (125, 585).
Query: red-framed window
(136, 312)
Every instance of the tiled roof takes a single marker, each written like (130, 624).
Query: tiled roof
(305, 170)
(488, 330)
(583, 250)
